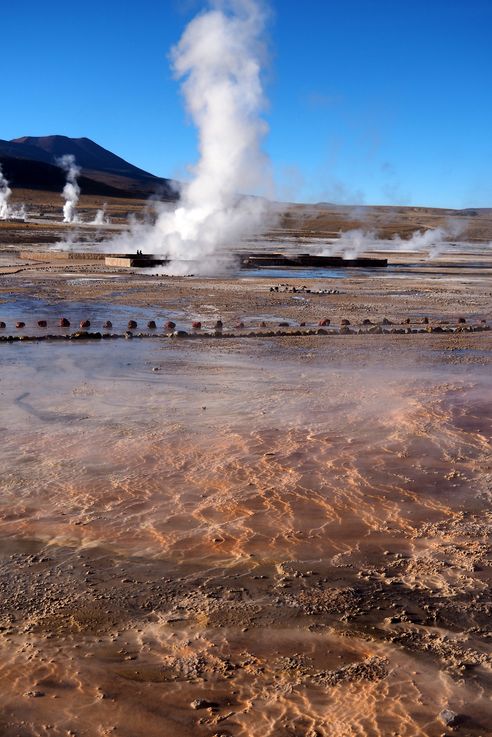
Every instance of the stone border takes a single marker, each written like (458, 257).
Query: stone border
(183, 334)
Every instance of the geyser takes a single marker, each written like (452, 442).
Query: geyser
(101, 218)
(7, 212)
(71, 190)
(218, 59)
(5, 193)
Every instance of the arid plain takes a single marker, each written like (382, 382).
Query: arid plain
(282, 530)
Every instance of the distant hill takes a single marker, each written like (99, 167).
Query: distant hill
(100, 168)
(29, 174)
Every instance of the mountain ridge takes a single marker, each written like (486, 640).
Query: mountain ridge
(100, 167)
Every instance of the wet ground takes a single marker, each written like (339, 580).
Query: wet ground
(286, 536)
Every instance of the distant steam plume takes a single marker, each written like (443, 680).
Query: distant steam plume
(5, 193)
(219, 60)
(100, 217)
(352, 243)
(71, 190)
(6, 209)
(432, 241)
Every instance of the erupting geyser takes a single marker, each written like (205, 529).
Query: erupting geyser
(6, 211)
(71, 190)
(101, 218)
(5, 193)
(219, 59)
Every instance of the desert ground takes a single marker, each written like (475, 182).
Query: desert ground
(276, 529)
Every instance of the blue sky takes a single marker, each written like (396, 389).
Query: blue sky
(370, 101)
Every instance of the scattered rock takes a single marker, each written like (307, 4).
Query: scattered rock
(449, 718)
(203, 704)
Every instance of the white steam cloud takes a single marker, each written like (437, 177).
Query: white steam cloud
(352, 243)
(5, 193)
(8, 212)
(433, 241)
(101, 218)
(71, 190)
(219, 60)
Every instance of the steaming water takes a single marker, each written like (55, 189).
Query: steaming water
(223, 464)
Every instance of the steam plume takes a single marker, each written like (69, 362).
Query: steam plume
(100, 217)
(5, 193)
(6, 210)
(353, 242)
(71, 190)
(433, 241)
(218, 59)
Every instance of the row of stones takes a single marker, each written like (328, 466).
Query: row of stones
(63, 322)
(375, 330)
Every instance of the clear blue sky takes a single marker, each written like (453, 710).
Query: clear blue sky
(373, 101)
